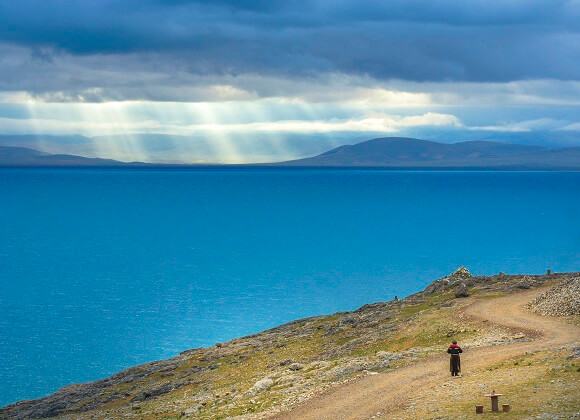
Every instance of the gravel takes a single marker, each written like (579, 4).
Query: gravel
(561, 300)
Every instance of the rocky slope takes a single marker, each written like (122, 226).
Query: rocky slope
(263, 373)
(561, 300)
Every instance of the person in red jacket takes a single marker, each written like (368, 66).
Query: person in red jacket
(455, 361)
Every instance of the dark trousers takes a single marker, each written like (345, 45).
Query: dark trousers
(455, 364)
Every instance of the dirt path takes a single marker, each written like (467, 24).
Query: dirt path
(389, 392)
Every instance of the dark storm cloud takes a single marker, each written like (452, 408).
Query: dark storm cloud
(415, 40)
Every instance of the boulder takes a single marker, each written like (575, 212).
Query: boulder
(296, 366)
(461, 291)
(261, 385)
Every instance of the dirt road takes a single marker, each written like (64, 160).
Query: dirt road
(390, 392)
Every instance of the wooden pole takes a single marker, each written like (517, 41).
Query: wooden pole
(494, 400)
(494, 403)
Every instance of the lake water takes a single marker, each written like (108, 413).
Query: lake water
(104, 269)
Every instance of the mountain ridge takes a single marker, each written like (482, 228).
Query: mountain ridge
(383, 152)
(405, 152)
(26, 157)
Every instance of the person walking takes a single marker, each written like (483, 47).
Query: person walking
(455, 361)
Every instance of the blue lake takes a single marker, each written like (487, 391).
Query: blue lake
(104, 269)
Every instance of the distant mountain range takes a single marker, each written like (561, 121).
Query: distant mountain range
(255, 147)
(388, 152)
(401, 152)
(22, 156)
(173, 149)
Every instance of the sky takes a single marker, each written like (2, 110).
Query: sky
(242, 81)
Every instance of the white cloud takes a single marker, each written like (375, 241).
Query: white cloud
(99, 119)
(430, 118)
(507, 128)
(571, 127)
(525, 126)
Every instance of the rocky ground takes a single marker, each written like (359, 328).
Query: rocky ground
(260, 375)
(561, 300)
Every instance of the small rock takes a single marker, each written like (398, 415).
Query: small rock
(296, 366)
(261, 385)
(189, 412)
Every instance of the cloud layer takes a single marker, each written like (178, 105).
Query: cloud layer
(271, 79)
(98, 50)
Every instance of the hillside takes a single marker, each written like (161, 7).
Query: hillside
(175, 149)
(401, 152)
(22, 156)
(388, 152)
(314, 364)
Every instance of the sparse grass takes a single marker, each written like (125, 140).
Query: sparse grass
(532, 384)
(434, 328)
(426, 324)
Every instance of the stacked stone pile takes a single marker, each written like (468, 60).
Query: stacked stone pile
(561, 300)
(459, 278)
